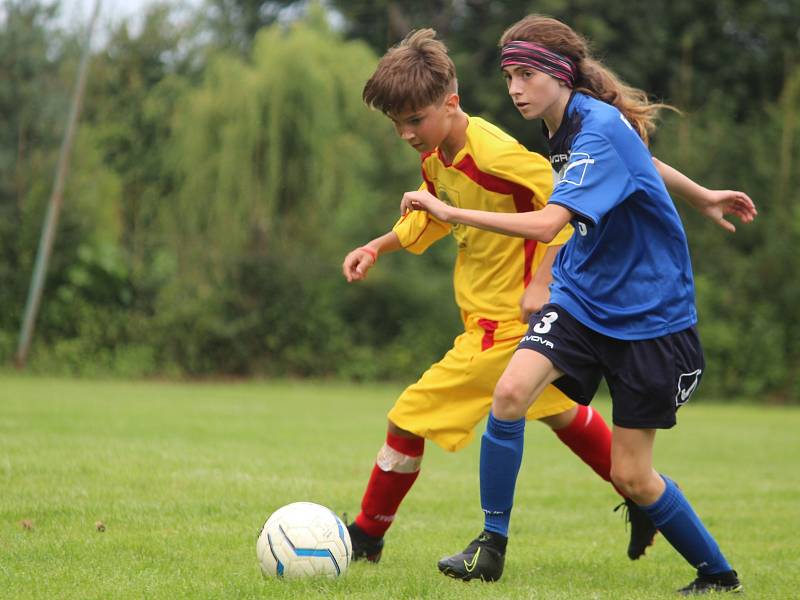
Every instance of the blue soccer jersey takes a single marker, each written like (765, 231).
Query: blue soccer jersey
(626, 271)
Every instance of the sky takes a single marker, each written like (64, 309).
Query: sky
(76, 13)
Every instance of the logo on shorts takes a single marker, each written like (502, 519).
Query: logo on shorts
(538, 340)
(687, 384)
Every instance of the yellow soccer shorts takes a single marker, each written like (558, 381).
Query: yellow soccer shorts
(454, 394)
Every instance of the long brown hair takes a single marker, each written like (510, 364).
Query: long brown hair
(593, 78)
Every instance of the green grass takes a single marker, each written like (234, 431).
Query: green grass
(183, 475)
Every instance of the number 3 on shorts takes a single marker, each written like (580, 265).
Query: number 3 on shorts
(546, 322)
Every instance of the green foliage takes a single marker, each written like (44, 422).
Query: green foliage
(235, 23)
(283, 170)
(747, 298)
(223, 169)
(678, 50)
(31, 105)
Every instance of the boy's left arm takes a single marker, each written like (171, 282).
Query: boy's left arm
(714, 204)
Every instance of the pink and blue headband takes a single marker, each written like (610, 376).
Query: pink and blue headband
(538, 57)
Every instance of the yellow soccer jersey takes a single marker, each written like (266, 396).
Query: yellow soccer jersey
(492, 172)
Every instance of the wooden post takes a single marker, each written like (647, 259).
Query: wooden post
(54, 207)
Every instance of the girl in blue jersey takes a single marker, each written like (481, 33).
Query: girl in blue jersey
(622, 298)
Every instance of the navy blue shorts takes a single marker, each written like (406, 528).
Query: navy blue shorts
(649, 380)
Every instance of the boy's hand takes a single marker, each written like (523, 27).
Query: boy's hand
(422, 200)
(533, 299)
(356, 264)
(716, 204)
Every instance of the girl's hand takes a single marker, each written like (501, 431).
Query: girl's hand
(422, 200)
(717, 204)
(533, 299)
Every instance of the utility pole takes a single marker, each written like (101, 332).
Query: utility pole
(56, 199)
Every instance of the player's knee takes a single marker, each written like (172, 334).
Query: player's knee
(626, 480)
(633, 483)
(511, 400)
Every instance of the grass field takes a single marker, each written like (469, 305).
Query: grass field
(183, 475)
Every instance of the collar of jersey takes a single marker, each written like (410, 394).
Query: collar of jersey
(560, 132)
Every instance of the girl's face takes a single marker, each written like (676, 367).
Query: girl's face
(534, 93)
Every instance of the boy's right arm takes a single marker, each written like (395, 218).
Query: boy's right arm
(359, 261)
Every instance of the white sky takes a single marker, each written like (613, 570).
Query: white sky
(75, 13)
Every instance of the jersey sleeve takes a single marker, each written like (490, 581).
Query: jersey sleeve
(531, 171)
(562, 237)
(594, 181)
(527, 169)
(417, 230)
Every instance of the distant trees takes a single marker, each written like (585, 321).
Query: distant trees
(225, 164)
(33, 104)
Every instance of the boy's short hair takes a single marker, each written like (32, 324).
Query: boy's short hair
(413, 74)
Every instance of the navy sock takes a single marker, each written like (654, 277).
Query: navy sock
(679, 524)
(501, 456)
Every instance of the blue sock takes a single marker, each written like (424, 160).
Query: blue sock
(501, 456)
(679, 524)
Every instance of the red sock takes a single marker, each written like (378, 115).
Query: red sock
(395, 471)
(589, 437)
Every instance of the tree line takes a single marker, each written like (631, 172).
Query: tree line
(225, 164)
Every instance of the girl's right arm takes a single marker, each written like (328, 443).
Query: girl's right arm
(359, 261)
(540, 225)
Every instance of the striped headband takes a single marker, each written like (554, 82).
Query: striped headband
(540, 58)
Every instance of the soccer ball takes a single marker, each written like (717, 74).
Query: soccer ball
(303, 539)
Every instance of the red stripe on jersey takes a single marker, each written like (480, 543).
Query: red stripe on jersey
(523, 200)
(530, 248)
(489, 327)
(428, 182)
(442, 158)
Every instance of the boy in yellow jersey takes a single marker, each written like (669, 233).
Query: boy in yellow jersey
(499, 282)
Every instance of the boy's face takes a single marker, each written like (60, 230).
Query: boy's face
(533, 92)
(426, 128)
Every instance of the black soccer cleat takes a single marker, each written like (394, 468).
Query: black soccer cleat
(365, 546)
(721, 582)
(483, 559)
(643, 531)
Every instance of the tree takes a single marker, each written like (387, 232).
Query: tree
(280, 168)
(235, 23)
(33, 101)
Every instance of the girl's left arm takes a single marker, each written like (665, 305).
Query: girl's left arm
(714, 204)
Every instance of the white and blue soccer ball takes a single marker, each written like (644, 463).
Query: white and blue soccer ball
(303, 539)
